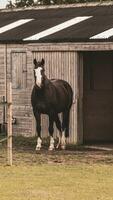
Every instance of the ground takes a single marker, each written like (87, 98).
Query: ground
(81, 173)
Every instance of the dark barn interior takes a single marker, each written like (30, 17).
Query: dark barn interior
(98, 97)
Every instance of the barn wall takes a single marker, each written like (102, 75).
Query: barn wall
(83, 46)
(19, 71)
(17, 60)
(61, 61)
(2, 77)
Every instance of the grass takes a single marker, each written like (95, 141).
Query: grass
(76, 173)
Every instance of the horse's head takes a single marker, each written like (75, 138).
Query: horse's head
(39, 72)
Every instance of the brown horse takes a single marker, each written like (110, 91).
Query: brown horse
(51, 97)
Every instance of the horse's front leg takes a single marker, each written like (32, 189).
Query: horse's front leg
(51, 130)
(38, 129)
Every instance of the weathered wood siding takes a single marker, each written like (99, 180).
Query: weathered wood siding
(2, 77)
(16, 63)
(19, 71)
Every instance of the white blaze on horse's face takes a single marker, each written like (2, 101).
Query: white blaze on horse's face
(38, 76)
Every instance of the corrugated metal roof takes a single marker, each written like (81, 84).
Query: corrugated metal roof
(75, 24)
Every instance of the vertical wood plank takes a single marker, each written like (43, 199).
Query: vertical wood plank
(9, 128)
(80, 100)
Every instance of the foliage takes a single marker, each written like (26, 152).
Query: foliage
(23, 3)
(27, 3)
(10, 5)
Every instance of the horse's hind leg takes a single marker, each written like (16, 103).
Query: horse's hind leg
(51, 130)
(59, 127)
(65, 128)
(38, 129)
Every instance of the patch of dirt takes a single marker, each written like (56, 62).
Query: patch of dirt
(68, 157)
(24, 153)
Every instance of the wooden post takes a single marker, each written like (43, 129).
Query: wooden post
(9, 124)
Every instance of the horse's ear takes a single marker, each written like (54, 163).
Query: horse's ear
(35, 61)
(42, 62)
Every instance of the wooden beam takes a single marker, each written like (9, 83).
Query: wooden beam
(9, 121)
(2, 140)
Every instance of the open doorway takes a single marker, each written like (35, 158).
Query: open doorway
(98, 97)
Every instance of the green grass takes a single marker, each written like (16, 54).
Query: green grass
(74, 174)
(56, 182)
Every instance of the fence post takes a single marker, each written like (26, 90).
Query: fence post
(9, 124)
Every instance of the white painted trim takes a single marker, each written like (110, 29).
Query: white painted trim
(14, 25)
(104, 35)
(57, 28)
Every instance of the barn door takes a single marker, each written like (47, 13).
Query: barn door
(98, 97)
(19, 70)
(21, 94)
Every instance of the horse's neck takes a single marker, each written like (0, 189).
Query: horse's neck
(45, 85)
(46, 81)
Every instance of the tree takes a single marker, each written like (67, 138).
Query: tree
(46, 2)
(24, 3)
(10, 5)
(27, 3)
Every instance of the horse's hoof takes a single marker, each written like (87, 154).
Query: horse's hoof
(58, 146)
(38, 148)
(51, 148)
(63, 147)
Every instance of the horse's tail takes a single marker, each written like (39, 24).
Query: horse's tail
(66, 113)
(69, 94)
(65, 122)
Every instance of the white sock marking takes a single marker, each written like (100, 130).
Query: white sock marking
(57, 28)
(39, 143)
(51, 147)
(63, 140)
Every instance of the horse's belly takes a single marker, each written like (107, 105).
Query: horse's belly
(41, 108)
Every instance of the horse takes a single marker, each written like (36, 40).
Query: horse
(51, 97)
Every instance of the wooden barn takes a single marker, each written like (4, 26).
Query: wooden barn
(77, 45)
